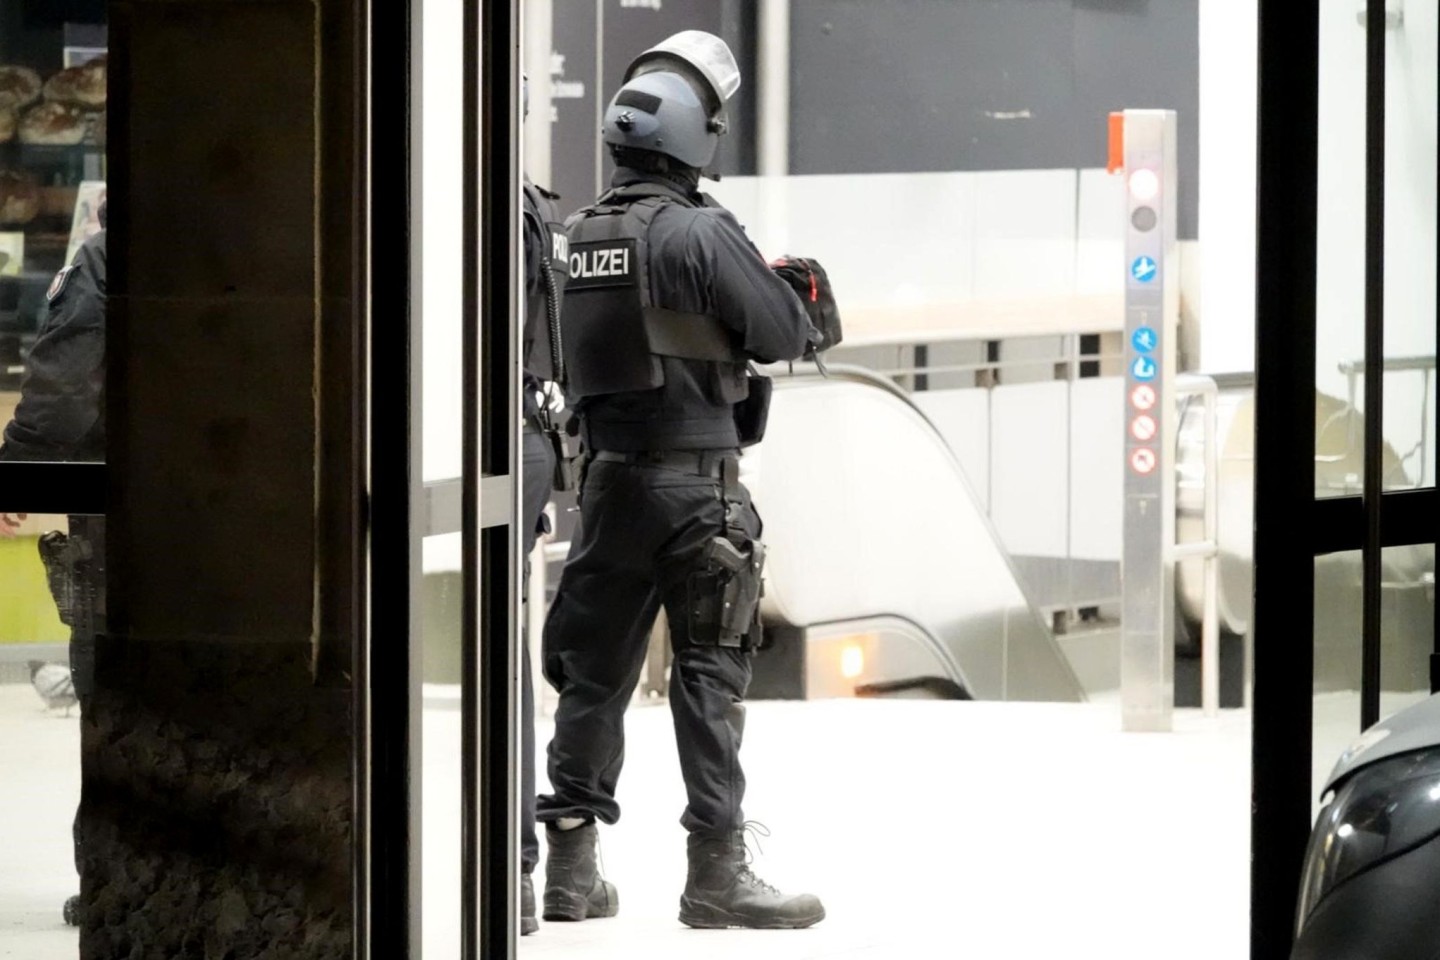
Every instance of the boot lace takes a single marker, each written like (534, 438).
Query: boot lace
(752, 831)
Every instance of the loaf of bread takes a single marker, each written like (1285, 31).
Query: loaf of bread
(19, 198)
(53, 124)
(19, 87)
(82, 86)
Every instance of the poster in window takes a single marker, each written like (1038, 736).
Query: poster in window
(86, 222)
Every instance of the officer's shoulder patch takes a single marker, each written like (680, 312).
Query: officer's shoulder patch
(58, 284)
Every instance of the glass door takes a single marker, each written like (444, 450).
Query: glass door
(1345, 447)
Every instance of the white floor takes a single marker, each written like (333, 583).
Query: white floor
(929, 829)
(39, 788)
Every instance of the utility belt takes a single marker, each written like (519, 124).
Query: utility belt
(700, 463)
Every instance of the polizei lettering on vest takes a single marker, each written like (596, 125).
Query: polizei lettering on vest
(600, 262)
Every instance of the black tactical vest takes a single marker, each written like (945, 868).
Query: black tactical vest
(542, 294)
(614, 334)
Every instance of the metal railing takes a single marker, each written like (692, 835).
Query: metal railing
(1208, 548)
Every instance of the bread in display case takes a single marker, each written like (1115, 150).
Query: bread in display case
(53, 84)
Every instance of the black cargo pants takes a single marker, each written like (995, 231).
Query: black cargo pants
(643, 531)
(538, 469)
(77, 584)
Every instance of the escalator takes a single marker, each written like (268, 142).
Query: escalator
(884, 577)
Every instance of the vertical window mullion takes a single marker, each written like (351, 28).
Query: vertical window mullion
(1374, 355)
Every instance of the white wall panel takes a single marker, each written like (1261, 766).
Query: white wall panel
(1100, 233)
(885, 239)
(962, 417)
(1024, 233)
(1097, 457)
(1028, 497)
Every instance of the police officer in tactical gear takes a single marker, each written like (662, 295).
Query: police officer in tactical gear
(545, 266)
(666, 304)
(61, 417)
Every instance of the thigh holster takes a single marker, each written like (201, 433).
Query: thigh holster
(724, 595)
(65, 559)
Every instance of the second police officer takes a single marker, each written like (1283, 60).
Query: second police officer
(61, 417)
(545, 265)
(666, 304)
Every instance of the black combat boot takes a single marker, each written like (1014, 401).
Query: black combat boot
(574, 889)
(528, 923)
(722, 891)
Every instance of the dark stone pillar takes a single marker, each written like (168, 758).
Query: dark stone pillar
(217, 811)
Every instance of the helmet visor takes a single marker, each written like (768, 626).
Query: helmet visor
(705, 52)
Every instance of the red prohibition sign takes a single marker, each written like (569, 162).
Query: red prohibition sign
(1143, 397)
(1143, 427)
(1142, 460)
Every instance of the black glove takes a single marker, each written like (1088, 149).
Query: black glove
(809, 280)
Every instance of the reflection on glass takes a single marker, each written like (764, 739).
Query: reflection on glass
(1408, 419)
(53, 84)
(1340, 254)
(53, 80)
(1410, 244)
(52, 607)
(1407, 632)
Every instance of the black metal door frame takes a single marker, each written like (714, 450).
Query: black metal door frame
(483, 504)
(490, 860)
(389, 656)
(1292, 527)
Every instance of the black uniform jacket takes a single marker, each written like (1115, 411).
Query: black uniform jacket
(537, 247)
(700, 261)
(61, 415)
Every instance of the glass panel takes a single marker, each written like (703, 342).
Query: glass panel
(52, 402)
(976, 245)
(440, 316)
(1407, 638)
(442, 603)
(50, 611)
(1340, 255)
(1410, 251)
(52, 195)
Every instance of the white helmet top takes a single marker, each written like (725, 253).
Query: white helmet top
(706, 52)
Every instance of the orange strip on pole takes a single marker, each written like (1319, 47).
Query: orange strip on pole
(1117, 143)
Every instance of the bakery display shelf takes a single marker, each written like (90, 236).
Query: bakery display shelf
(48, 152)
(45, 246)
(29, 279)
